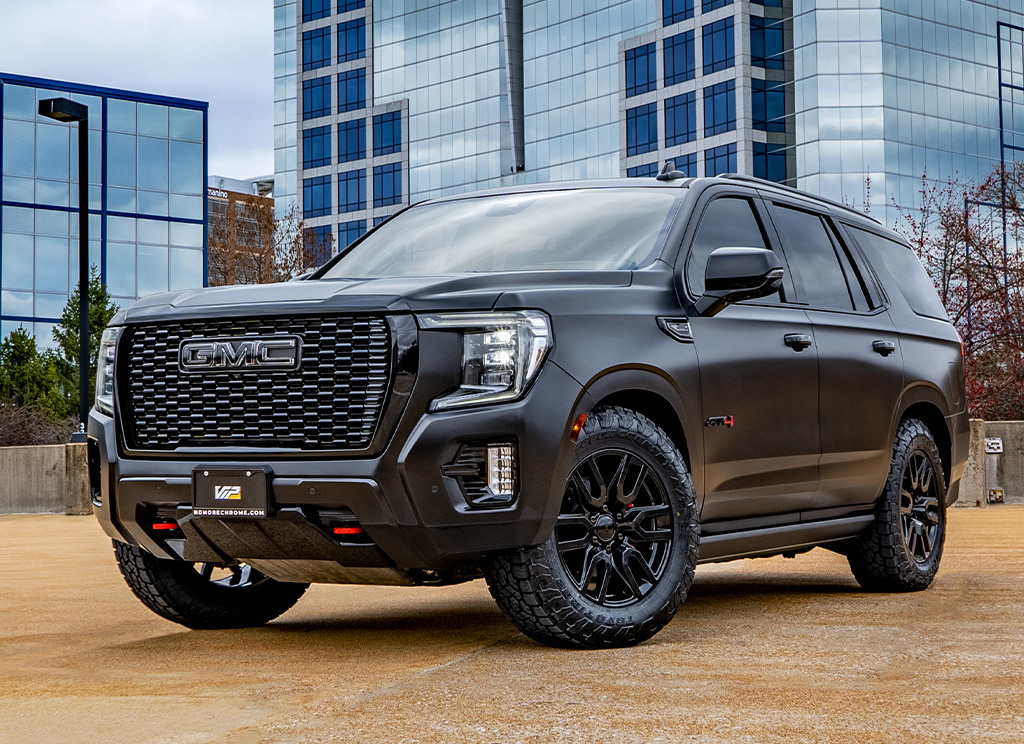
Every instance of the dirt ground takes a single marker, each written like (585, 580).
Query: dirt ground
(764, 651)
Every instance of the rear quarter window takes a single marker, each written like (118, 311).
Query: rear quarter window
(905, 272)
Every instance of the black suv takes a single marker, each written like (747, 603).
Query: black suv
(578, 391)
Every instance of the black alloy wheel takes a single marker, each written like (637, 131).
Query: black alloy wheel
(919, 506)
(614, 532)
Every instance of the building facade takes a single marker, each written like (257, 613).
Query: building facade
(856, 100)
(147, 201)
(239, 218)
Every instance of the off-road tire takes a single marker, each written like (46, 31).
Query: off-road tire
(532, 586)
(880, 557)
(175, 590)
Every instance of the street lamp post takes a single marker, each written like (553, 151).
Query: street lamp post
(68, 111)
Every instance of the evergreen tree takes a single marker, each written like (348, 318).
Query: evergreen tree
(101, 310)
(28, 377)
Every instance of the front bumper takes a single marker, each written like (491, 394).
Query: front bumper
(416, 517)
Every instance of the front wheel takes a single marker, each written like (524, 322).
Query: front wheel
(204, 596)
(900, 551)
(621, 557)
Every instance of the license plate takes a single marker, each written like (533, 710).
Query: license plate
(229, 493)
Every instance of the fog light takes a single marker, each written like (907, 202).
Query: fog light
(501, 470)
(486, 473)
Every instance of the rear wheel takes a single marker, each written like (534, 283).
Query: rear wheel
(202, 595)
(620, 559)
(901, 550)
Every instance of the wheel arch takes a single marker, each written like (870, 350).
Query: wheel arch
(924, 404)
(653, 396)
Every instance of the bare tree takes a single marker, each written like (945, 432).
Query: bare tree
(255, 246)
(959, 235)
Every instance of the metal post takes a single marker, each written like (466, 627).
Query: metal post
(967, 261)
(67, 111)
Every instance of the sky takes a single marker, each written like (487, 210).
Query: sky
(219, 51)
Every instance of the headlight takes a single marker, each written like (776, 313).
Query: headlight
(105, 371)
(501, 354)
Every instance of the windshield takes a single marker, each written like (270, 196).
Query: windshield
(583, 229)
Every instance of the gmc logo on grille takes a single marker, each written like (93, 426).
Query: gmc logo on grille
(230, 354)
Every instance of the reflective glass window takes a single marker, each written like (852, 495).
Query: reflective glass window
(387, 185)
(316, 147)
(316, 97)
(314, 10)
(770, 161)
(20, 102)
(352, 191)
(351, 140)
(640, 70)
(152, 120)
(186, 124)
(51, 264)
(687, 164)
(720, 108)
(121, 269)
(647, 170)
(352, 40)
(53, 151)
(184, 234)
(344, 6)
(768, 105)
(709, 5)
(186, 172)
(19, 148)
(681, 119)
(352, 90)
(768, 3)
(812, 258)
(641, 129)
(679, 58)
(121, 116)
(720, 160)
(18, 219)
(316, 48)
(319, 244)
(17, 303)
(719, 45)
(767, 43)
(727, 222)
(153, 165)
(152, 269)
(18, 257)
(186, 268)
(349, 232)
(316, 196)
(387, 133)
(674, 11)
(121, 158)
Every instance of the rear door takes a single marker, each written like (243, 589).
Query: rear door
(860, 363)
(759, 379)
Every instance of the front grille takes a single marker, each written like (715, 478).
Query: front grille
(333, 401)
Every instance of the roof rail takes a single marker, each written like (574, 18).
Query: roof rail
(783, 187)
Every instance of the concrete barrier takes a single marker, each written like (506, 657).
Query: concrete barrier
(45, 479)
(1004, 470)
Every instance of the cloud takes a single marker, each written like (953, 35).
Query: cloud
(219, 51)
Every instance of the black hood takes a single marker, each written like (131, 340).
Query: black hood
(395, 294)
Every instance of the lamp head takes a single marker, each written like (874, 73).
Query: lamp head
(63, 109)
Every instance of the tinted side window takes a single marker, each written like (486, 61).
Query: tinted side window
(728, 222)
(907, 272)
(812, 258)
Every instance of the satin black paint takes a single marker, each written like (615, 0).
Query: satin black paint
(784, 411)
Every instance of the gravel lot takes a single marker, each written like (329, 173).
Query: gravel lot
(764, 651)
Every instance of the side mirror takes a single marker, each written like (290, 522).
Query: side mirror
(736, 274)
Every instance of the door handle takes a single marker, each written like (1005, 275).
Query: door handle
(798, 341)
(885, 348)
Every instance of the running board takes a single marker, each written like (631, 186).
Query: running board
(775, 540)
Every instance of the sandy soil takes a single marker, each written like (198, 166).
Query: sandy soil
(764, 651)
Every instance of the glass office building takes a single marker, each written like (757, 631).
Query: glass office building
(857, 100)
(147, 198)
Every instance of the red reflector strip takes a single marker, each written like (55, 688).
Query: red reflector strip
(165, 526)
(348, 530)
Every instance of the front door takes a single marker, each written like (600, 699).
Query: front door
(759, 383)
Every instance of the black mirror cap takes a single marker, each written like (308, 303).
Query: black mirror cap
(737, 269)
(737, 274)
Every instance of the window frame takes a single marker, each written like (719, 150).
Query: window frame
(840, 242)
